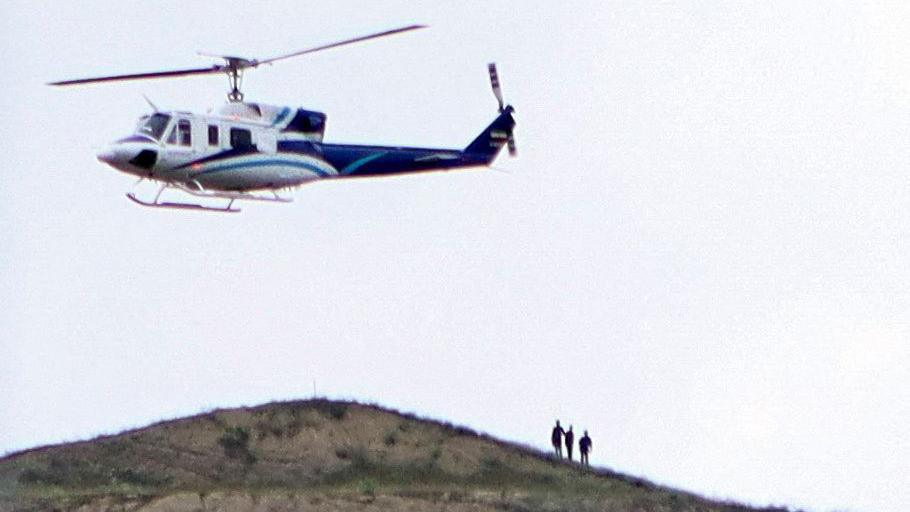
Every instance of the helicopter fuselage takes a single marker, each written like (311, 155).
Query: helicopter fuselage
(249, 147)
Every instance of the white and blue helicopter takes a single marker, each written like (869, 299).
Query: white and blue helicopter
(251, 151)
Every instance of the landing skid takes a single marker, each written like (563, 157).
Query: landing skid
(199, 191)
(181, 206)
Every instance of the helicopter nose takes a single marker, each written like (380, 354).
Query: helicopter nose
(107, 155)
(115, 155)
(128, 157)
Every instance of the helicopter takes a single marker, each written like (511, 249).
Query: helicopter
(252, 151)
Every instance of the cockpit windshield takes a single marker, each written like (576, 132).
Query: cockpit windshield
(153, 125)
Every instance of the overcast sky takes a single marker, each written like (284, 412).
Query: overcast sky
(700, 255)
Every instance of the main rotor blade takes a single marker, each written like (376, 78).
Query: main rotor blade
(138, 76)
(341, 43)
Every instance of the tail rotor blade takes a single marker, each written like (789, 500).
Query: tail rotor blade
(494, 81)
(513, 151)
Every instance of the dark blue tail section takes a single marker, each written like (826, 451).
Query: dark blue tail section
(491, 141)
(355, 160)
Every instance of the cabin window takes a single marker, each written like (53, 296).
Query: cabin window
(213, 135)
(172, 136)
(184, 133)
(241, 138)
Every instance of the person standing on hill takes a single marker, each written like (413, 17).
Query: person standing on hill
(556, 439)
(570, 441)
(584, 446)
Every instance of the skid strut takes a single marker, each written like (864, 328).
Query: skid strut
(198, 191)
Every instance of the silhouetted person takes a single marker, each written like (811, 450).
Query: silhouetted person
(584, 446)
(570, 440)
(556, 438)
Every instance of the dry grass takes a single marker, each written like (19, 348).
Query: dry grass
(336, 453)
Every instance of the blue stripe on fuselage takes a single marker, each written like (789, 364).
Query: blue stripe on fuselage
(224, 155)
(262, 163)
(137, 138)
(281, 115)
(360, 162)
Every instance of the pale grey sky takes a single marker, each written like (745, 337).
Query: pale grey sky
(700, 255)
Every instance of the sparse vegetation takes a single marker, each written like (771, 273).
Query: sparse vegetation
(326, 451)
(367, 487)
(343, 452)
(390, 438)
(280, 423)
(329, 409)
(77, 473)
(235, 441)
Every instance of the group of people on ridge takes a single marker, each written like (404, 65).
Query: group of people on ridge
(559, 435)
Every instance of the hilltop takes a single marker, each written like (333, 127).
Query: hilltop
(317, 455)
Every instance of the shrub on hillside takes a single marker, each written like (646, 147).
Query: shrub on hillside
(235, 442)
(334, 410)
(390, 438)
(367, 487)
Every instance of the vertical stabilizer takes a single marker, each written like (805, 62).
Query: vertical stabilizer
(490, 142)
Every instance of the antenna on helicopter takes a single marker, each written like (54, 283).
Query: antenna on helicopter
(497, 91)
(233, 66)
(154, 107)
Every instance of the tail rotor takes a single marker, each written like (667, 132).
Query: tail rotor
(497, 91)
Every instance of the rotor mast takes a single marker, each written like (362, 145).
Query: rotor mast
(234, 70)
